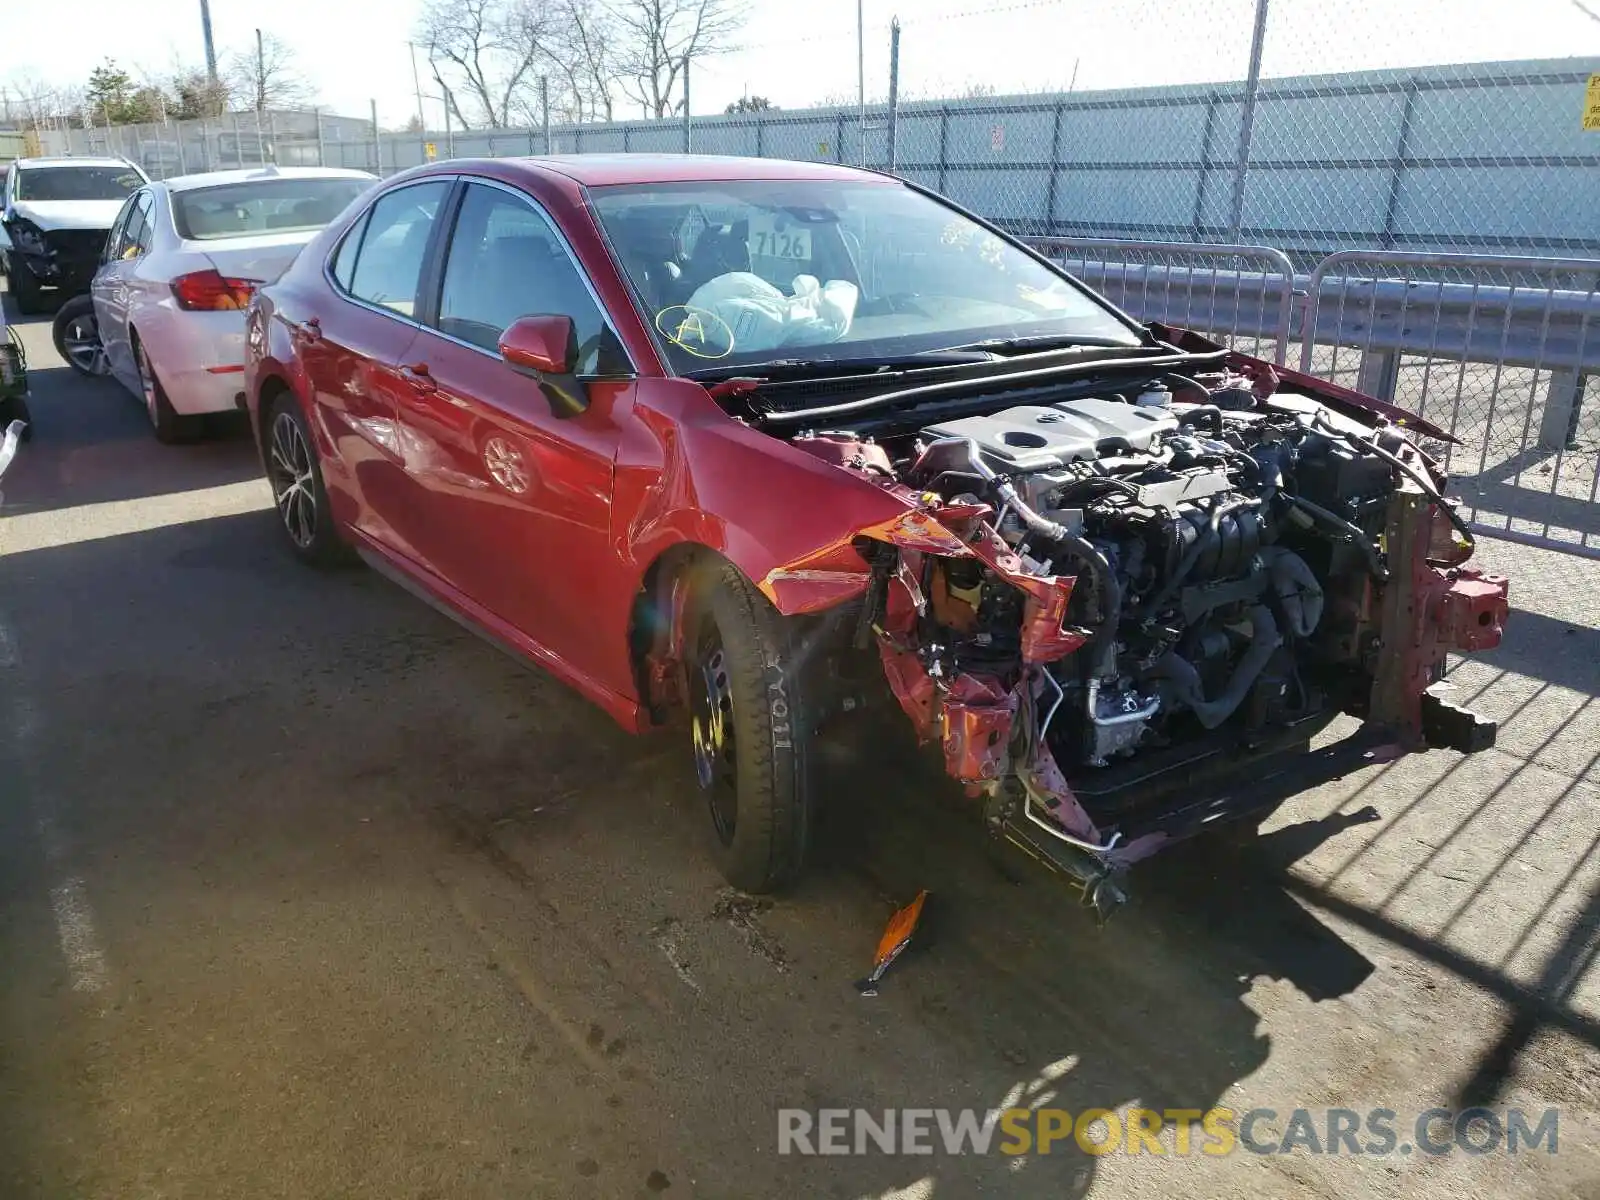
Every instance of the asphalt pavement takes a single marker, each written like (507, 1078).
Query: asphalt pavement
(305, 892)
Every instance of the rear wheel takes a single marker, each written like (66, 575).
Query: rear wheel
(169, 427)
(76, 333)
(297, 489)
(749, 728)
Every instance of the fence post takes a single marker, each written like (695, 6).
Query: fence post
(1402, 151)
(687, 127)
(1252, 89)
(377, 141)
(544, 104)
(894, 91)
(838, 138)
(316, 115)
(944, 143)
(183, 162)
(1213, 99)
(1049, 223)
(261, 141)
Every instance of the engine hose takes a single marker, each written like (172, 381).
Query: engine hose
(1108, 592)
(1193, 553)
(1296, 588)
(1346, 530)
(1264, 641)
(1195, 412)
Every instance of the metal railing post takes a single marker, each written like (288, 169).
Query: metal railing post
(894, 94)
(1252, 89)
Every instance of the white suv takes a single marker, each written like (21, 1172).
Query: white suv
(57, 212)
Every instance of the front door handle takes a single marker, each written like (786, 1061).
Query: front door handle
(419, 377)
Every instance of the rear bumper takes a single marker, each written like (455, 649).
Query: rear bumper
(197, 356)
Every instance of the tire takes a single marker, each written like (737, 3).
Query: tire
(299, 497)
(25, 289)
(165, 422)
(750, 732)
(76, 333)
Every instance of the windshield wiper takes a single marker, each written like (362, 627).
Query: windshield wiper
(877, 364)
(1045, 341)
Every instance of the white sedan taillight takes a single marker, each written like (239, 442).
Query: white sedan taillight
(211, 291)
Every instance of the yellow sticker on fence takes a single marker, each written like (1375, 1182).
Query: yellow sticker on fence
(1591, 105)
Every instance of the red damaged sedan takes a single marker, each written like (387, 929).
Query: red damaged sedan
(733, 444)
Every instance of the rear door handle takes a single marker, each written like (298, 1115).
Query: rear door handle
(419, 377)
(310, 329)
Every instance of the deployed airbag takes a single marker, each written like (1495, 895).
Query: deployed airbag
(760, 317)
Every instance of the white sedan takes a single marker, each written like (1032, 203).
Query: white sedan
(165, 313)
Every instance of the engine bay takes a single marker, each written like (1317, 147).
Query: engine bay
(1176, 570)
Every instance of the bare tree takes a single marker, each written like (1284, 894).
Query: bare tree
(484, 54)
(265, 76)
(36, 104)
(585, 57)
(656, 36)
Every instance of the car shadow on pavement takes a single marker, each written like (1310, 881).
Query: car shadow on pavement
(1148, 1009)
(92, 444)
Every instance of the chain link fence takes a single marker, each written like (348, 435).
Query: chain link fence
(1196, 160)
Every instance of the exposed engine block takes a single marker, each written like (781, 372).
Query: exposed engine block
(1163, 512)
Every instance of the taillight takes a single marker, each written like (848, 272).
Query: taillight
(211, 291)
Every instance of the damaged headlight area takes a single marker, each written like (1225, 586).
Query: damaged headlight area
(1123, 616)
(27, 238)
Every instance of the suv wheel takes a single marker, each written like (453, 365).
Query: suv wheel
(25, 288)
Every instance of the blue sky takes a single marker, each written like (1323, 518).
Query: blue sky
(355, 50)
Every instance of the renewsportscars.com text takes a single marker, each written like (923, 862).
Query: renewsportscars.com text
(1376, 1132)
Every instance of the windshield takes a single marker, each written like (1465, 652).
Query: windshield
(746, 271)
(262, 206)
(76, 183)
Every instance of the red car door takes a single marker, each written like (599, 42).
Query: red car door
(351, 346)
(512, 502)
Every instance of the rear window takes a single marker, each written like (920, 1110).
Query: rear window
(76, 183)
(262, 206)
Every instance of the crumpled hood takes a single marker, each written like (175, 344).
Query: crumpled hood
(50, 215)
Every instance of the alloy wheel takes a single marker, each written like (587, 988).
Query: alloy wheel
(712, 731)
(81, 340)
(147, 385)
(289, 469)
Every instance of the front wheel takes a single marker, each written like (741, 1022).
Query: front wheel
(26, 289)
(749, 728)
(76, 333)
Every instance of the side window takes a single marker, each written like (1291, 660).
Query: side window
(136, 234)
(388, 265)
(506, 262)
(113, 247)
(344, 262)
(144, 238)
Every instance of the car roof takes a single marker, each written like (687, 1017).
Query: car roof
(185, 183)
(598, 170)
(27, 164)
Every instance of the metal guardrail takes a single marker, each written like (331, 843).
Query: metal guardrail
(1500, 350)
(1224, 298)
